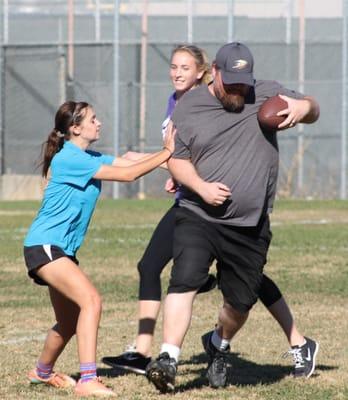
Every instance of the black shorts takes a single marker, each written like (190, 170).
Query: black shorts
(37, 256)
(240, 253)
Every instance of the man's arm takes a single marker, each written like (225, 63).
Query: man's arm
(183, 171)
(304, 111)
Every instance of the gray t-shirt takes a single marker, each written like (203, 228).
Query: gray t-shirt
(230, 148)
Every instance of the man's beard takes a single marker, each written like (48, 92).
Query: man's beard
(231, 102)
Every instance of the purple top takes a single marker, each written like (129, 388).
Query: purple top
(171, 105)
(170, 109)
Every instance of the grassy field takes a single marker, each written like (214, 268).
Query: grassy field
(308, 259)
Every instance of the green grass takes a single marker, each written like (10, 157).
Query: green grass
(308, 259)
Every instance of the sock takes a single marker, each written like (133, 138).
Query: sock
(88, 371)
(218, 342)
(172, 350)
(44, 370)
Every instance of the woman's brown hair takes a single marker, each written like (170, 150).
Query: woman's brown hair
(70, 113)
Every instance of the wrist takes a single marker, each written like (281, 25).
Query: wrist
(200, 187)
(168, 149)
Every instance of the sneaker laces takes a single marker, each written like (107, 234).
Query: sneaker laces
(219, 362)
(164, 357)
(297, 356)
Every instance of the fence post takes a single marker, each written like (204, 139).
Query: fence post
(344, 128)
(189, 21)
(143, 75)
(3, 42)
(301, 80)
(116, 77)
(230, 21)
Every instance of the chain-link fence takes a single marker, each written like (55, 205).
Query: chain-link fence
(116, 54)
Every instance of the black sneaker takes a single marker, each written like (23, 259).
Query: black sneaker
(129, 361)
(209, 285)
(217, 365)
(161, 372)
(304, 358)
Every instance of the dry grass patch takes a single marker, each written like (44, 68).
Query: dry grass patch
(308, 261)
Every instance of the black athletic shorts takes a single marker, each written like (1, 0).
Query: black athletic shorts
(37, 256)
(240, 253)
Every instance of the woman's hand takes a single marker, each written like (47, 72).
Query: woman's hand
(168, 140)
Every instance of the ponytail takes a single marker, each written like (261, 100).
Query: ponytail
(52, 145)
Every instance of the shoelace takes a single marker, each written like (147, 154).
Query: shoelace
(297, 356)
(219, 362)
(167, 360)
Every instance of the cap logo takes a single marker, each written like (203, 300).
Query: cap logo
(240, 64)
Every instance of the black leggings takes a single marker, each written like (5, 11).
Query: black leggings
(160, 251)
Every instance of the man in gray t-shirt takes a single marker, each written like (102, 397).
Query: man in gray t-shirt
(228, 167)
(229, 147)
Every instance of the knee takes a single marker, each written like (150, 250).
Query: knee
(234, 306)
(187, 280)
(233, 311)
(93, 302)
(149, 283)
(141, 268)
(97, 303)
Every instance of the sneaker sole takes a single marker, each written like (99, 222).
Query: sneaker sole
(314, 359)
(159, 379)
(125, 368)
(34, 381)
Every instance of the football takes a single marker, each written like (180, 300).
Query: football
(267, 114)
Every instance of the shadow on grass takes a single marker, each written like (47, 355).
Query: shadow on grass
(112, 372)
(241, 372)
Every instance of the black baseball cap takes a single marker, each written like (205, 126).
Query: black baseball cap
(236, 64)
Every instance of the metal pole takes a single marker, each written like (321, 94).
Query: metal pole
(189, 21)
(70, 88)
(97, 20)
(62, 63)
(288, 38)
(3, 42)
(5, 31)
(301, 79)
(143, 73)
(2, 97)
(289, 10)
(230, 21)
(115, 186)
(344, 129)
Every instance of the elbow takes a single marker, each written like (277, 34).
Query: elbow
(314, 115)
(131, 177)
(314, 112)
(317, 113)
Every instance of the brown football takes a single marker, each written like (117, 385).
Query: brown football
(267, 114)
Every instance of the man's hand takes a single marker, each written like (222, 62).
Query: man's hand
(214, 193)
(299, 110)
